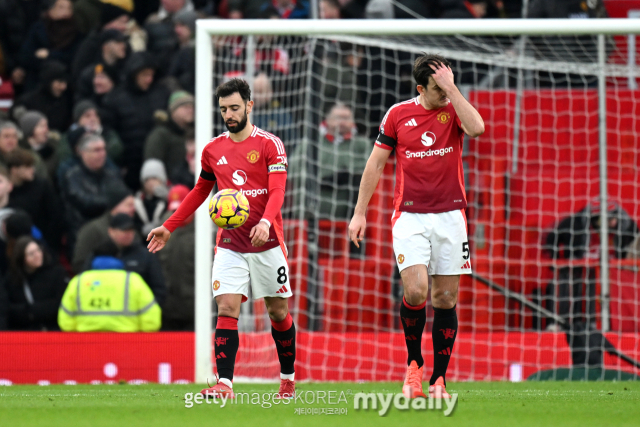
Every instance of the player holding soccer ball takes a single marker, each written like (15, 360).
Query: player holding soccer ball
(429, 223)
(254, 162)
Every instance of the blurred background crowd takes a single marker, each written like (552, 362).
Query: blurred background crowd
(97, 134)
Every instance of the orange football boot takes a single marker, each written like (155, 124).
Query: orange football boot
(437, 390)
(412, 387)
(218, 391)
(287, 389)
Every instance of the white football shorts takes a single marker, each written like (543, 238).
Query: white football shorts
(266, 272)
(437, 240)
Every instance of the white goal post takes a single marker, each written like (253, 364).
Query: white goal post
(205, 111)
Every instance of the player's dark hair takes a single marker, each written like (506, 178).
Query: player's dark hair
(422, 69)
(233, 86)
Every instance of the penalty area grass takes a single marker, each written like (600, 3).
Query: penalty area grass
(479, 404)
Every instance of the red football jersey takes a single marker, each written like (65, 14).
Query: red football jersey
(245, 166)
(428, 143)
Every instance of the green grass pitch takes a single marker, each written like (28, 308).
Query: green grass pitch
(492, 404)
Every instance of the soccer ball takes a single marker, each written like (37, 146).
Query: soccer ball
(229, 209)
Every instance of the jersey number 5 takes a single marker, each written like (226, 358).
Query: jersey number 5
(465, 250)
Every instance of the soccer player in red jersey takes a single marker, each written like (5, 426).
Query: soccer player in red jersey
(254, 162)
(429, 223)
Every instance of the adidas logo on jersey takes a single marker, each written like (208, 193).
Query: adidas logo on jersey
(411, 122)
(222, 161)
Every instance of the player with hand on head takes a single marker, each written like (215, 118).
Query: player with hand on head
(254, 162)
(429, 223)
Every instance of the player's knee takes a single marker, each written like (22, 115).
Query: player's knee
(415, 295)
(226, 310)
(277, 314)
(444, 298)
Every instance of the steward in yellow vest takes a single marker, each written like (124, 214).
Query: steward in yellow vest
(108, 299)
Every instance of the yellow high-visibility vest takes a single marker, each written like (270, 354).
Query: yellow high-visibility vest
(108, 301)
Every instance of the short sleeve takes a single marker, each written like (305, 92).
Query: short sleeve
(387, 138)
(275, 155)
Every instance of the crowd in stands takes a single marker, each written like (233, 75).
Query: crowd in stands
(98, 145)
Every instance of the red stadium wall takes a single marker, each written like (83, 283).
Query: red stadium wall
(55, 357)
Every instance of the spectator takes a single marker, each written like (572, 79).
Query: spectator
(468, 9)
(163, 40)
(178, 310)
(329, 9)
(36, 196)
(577, 237)
(342, 155)
(166, 140)
(129, 109)
(567, 48)
(112, 289)
(151, 200)
(53, 38)
(267, 113)
(336, 65)
(9, 138)
(290, 9)
(86, 116)
(5, 211)
(91, 49)
(42, 143)
(84, 185)
(16, 17)
(168, 8)
(17, 224)
(95, 83)
(184, 173)
(111, 53)
(183, 65)
(51, 98)
(92, 234)
(133, 254)
(90, 14)
(35, 286)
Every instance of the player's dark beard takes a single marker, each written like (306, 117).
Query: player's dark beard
(240, 126)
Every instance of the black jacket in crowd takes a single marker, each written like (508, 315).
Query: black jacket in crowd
(46, 285)
(84, 195)
(130, 112)
(40, 200)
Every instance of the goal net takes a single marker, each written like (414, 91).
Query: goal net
(562, 137)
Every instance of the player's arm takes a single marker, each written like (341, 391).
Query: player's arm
(370, 177)
(159, 236)
(277, 182)
(471, 121)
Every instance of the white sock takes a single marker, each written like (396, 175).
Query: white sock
(289, 377)
(226, 382)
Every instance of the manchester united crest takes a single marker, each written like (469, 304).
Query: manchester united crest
(216, 285)
(400, 259)
(443, 117)
(253, 156)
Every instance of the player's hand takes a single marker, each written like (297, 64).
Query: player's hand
(259, 234)
(356, 229)
(158, 237)
(443, 77)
